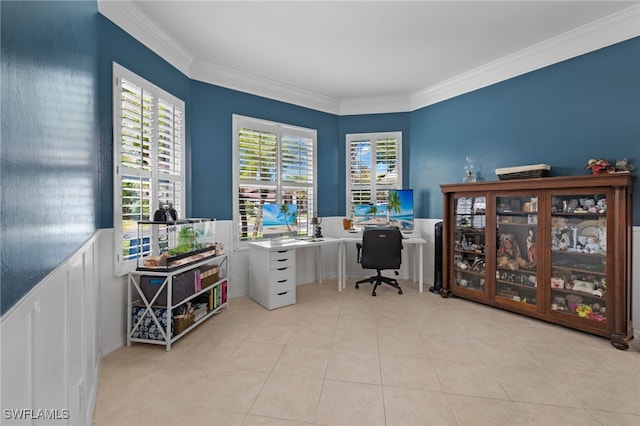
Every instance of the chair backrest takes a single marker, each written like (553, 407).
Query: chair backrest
(381, 248)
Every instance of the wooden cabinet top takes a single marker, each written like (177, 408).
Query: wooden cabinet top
(586, 181)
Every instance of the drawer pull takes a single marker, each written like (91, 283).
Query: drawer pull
(283, 269)
(283, 281)
(282, 251)
(282, 260)
(283, 293)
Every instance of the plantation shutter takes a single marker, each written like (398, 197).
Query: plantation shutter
(297, 171)
(136, 161)
(373, 167)
(170, 155)
(149, 158)
(257, 168)
(359, 174)
(275, 163)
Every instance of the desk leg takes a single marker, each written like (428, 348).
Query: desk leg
(319, 263)
(420, 269)
(344, 265)
(340, 261)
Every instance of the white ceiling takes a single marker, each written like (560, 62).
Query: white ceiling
(350, 57)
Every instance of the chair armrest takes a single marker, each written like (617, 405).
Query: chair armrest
(359, 248)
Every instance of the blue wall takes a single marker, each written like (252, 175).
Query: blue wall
(115, 45)
(211, 119)
(562, 115)
(50, 164)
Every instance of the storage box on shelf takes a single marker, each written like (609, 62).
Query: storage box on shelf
(167, 300)
(523, 172)
(556, 249)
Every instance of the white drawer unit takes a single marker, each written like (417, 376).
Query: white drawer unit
(272, 277)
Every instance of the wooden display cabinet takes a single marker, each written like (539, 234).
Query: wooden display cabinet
(557, 249)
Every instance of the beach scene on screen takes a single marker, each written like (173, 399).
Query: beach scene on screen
(279, 219)
(401, 209)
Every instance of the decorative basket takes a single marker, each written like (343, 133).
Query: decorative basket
(523, 172)
(210, 276)
(182, 322)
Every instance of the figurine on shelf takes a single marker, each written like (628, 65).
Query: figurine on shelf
(565, 241)
(623, 165)
(468, 245)
(160, 215)
(171, 213)
(597, 166)
(509, 253)
(168, 214)
(532, 255)
(478, 264)
(589, 205)
(592, 246)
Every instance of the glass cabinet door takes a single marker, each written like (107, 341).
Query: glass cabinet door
(578, 256)
(469, 244)
(516, 256)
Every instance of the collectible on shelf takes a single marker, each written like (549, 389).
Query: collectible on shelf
(600, 165)
(597, 166)
(623, 165)
(509, 253)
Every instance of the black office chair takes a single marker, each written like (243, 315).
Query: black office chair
(381, 249)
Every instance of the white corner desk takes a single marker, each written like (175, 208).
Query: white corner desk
(272, 267)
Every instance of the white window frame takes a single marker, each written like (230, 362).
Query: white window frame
(373, 186)
(176, 177)
(280, 129)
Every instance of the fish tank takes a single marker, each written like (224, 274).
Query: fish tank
(165, 246)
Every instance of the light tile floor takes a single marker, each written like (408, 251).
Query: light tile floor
(352, 359)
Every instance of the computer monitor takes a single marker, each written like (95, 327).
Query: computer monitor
(365, 215)
(279, 220)
(401, 209)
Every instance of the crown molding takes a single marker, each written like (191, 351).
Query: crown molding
(133, 21)
(375, 105)
(230, 78)
(605, 32)
(613, 29)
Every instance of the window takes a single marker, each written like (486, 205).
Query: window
(274, 163)
(374, 165)
(149, 158)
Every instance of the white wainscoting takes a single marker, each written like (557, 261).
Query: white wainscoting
(53, 339)
(51, 344)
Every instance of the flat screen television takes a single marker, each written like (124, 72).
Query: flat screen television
(401, 209)
(365, 215)
(279, 220)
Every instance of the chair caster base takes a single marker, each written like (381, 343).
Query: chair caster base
(378, 280)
